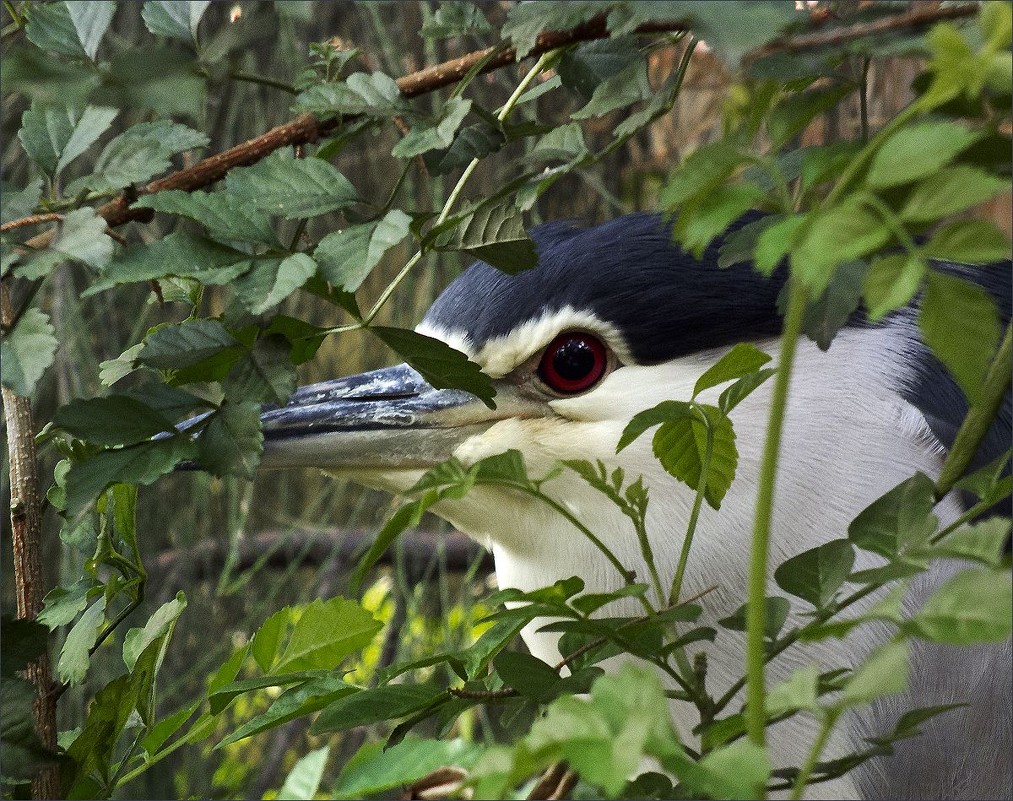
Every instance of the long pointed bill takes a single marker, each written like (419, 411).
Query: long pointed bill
(388, 418)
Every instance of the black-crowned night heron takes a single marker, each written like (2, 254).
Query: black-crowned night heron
(614, 320)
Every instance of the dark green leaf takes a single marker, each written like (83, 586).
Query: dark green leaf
(389, 702)
(975, 606)
(347, 257)
(223, 214)
(527, 674)
(834, 308)
(22, 641)
(918, 150)
(681, 446)
(968, 242)
(589, 64)
(495, 234)
(272, 280)
(707, 215)
(232, 443)
(422, 138)
(292, 188)
(24, 753)
(793, 114)
(264, 374)
(472, 142)
(185, 344)
(775, 615)
(703, 170)
(54, 137)
(116, 420)
(816, 575)
(741, 359)
(627, 87)
(950, 190)
(525, 21)
(26, 352)
(177, 20)
(664, 411)
(440, 365)
(899, 519)
(960, 323)
(51, 28)
(738, 246)
(454, 19)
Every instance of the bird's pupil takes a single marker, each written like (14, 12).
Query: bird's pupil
(573, 360)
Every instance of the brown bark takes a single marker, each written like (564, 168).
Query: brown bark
(26, 536)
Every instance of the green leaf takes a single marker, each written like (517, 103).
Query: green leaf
(375, 769)
(90, 21)
(774, 242)
(135, 464)
(179, 254)
(24, 753)
(975, 606)
(840, 234)
(775, 615)
(900, 518)
(703, 170)
(292, 188)
(960, 323)
(891, 283)
(589, 64)
(177, 19)
(51, 28)
(798, 691)
(681, 447)
(389, 702)
(223, 214)
(439, 364)
(272, 280)
(742, 359)
(232, 443)
(918, 150)
(347, 257)
(116, 420)
(23, 641)
(530, 676)
(743, 388)
(738, 246)
(454, 19)
(495, 234)
(565, 143)
(325, 633)
(664, 411)
(968, 242)
(827, 315)
(373, 94)
(525, 21)
(63, 604)
(708, 215)
(816, 575)
(627, 87)
(884, 672)
(423, 138)
(185, 344)
(472, 142)
(26, 352)
(794, 113)
(54, 137)
(158, 625)
(949, 191)
(74, 656)
(303, 780)
(737, 770)
(264, 374)
(983, 542)
(18, 203)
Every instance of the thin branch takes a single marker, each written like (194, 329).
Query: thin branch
(34, 219)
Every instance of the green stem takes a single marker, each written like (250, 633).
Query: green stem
(263, 80)
(979, 416)
(802, 779)
(680, 570)
(199, 731)
(966, 517)
(755, 611)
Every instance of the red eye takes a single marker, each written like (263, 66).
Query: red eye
(573, 361)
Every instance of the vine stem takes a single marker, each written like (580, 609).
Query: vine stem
(755, 611)
(680, 570)
(979, 416)
(455, 193)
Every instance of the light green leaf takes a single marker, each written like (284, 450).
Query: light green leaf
(91, 21)
(177, 19)
(949, 191)
(74, 656)
(960, 324)
(816, 575)
(292, 188)
(983, 542)
(54, 137)
(158, 625)
(303, 780)
(26, 352)
(899, 519)
(975, 606)
(918, 150)
(116, 420)
(741, 389)
(681, 446)
(375, 769)
(799, 691)
(741, 359)
(374, 94)
(347, 257)
(892, 282)
(709, 214)
(884, 672)
(731, 771)
(703, 170)
(774, 242)
(232, 442)
(63, 604)
(968, 242)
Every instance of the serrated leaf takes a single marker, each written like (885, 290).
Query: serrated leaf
(892, 281)
(222, 213)
(738, 246)
(63, 604)
(232, 443)
(834, 308)
(439, 364)
(589, 64)
(629, 86)
(292, 188)
(177, 19)
(975, 606)
(960, 323)
(116, 420)
(743, 388)
(80, 236)
(423, 138)
(743, 358)
(495, 234)
(74, 656)
(373, 94)
(949, 191)
(26, 352)
(816, 575)
(840, 234)
(918, 150)
(91, 20)
(184, 344)
(525, 21)
(900, 518)
(968, 242)
(51, 28)
(472, 142)
(135, 464)
(347, 257)
(565, 143)
(454, 19)
(681, 446)
(264, 374)
(272, 280)
(54, 137)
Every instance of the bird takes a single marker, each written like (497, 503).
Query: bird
(614, 319)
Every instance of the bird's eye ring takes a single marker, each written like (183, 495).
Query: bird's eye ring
(573, 362)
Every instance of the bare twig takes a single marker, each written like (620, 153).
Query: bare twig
(34, 219)
(26, 539)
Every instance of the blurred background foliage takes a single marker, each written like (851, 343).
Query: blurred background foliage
(243, 549)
